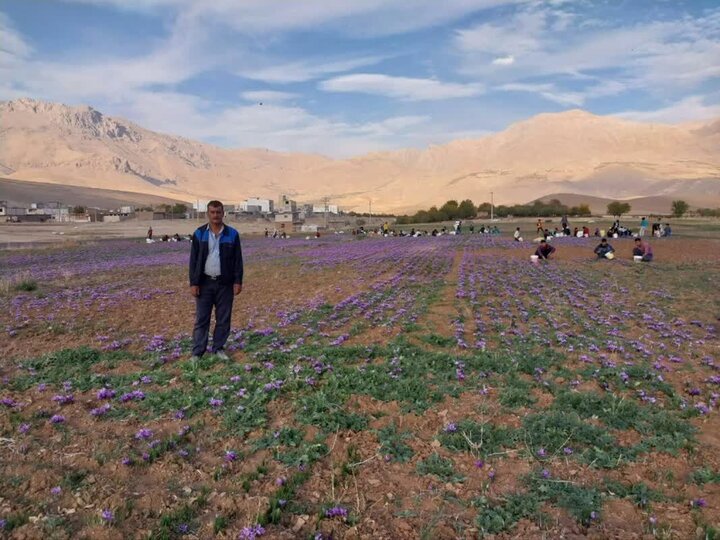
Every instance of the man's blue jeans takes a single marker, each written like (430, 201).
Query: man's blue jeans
(212, 294)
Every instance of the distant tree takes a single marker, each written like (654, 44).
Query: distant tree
(484, 208)
(435, 215)
(617, 208)
(708, 212)
(466, 209)
(581, 210)
(79, 210)
(679, 208)
(361, 222)
(450, 209)
(179, 208)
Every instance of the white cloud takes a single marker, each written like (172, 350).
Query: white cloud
(551, 91)
(267, 96)
(504, 60)
(691, 108)
(355, 17)
(405, 88)
(12, 43)
(655, 55)
(303, 70)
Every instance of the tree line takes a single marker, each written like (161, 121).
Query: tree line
(466, 209)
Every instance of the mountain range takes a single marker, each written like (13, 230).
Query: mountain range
(572, 152)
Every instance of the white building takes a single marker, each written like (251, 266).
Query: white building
(320, 208)
(285, 204)
(200, 205)
(257, 205)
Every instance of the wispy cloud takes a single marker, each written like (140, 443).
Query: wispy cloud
(405, 88)
(352, 17)
(691, 108)
(552, 92)
(267, 96)
(667, 54)
(274, 71)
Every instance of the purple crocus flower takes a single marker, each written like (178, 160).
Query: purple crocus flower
(252, 532)
(107, 516)
(63, 399)
(106, 393)
(135, 395)
(216, 402)
(100, 411)
(698, 503)
(451, 427)
(57, 419)
(24, 428)
(545, 474)
(336, 511)
(143, 434)
(230, 455)
(541, 452)
(8, 402)
(57, 490)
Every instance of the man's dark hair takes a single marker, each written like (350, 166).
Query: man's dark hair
(216, 204)
(638, 240)
(543, 241)
(603, 240)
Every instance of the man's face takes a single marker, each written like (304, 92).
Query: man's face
(215, 214)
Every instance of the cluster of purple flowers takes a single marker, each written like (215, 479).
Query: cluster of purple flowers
(336, 511)
(135, 395)
(252, 532)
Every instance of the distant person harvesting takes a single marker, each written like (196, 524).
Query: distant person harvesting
(643, 226)
(642, 249)
(544, 250)
(216, 274)
(603, 249)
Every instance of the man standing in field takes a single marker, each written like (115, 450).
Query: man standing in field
(643, 226)
(216, 274)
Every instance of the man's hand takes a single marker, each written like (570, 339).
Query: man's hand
(237, 289)
(195, 290)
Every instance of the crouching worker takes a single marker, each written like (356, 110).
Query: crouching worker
(643, 250)
(604, 250)
(544, 250)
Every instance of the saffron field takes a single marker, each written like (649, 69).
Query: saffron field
(379, 388)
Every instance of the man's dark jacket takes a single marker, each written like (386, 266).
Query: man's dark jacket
(231, 262)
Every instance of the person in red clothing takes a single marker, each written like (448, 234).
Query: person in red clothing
(544, 250)
(643, 249)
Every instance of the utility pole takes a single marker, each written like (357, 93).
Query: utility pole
(370, 208)
(492, 206)
(326, 200)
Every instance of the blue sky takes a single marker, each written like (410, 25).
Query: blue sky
(352, 76)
